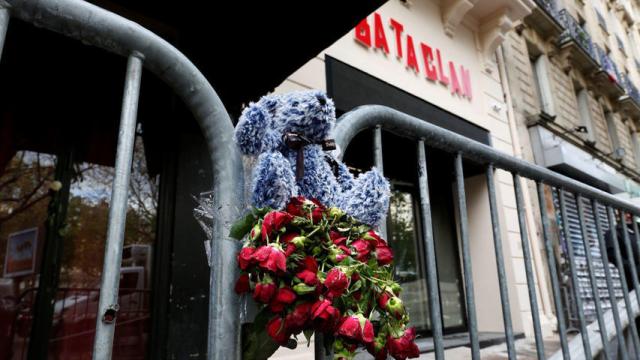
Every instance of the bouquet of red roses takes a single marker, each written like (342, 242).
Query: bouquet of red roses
(312, 268)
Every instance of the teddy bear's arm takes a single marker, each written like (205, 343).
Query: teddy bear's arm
(368, 200)
(273, 181)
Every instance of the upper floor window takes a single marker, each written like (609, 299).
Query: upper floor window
(601, 21)
(621, 45)
(584, 111)
(540, 69)
(612, 130)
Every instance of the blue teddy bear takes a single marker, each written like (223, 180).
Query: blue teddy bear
(291, 129)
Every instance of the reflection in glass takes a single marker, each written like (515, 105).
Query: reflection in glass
(408, 270)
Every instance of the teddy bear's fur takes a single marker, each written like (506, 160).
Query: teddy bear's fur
(260, 132)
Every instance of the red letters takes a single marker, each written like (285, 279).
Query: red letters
(380, 37)
(444, 80)
(363, 33)
(397, 28)
(412, 62)
(455, 84)
(427, 55)
(436, 67)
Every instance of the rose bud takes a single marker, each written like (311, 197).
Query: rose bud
(336, 282)
(378, 348)
(308, 271)
(356, 328)
(297, 319)
(395, 306)
(336, 255)
(303, 289)
(294, 207)
(362, 249)
(290, 249)
(384, 299)
(264, 290)
(403, 347)
(334, 213)
(316, 214)
(271, 257)
(286, 238)
(277, 330)
(299, 241)
(384, 255)
(324, 315)
(284, 296)
(242, 285)
(373, 237)
(255, 232)
(245, 257)
(274, 221)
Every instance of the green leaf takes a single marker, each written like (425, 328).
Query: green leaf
(241, 227)
(307, 334)
(258, 345)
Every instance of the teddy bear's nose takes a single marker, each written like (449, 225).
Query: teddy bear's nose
(321, 100)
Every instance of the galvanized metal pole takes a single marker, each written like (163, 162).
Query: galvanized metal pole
(592, 278)
(553, 272)
(108, 304)
(622, 348)
(623, 280)
(4, 24)
(502, 277)
(379, 163)
(466, 258)
(526, 252)
(430, 254)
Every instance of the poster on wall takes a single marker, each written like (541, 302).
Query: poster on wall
(21, 253)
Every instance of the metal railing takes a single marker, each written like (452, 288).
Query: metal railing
(92, 25)
(95, 26)
(575, 32)
(631, 89)
(383, 118)
(549, 6)
(607, 64)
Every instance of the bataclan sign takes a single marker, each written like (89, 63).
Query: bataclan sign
(435, 69)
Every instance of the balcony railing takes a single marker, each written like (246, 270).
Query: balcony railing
(549, 6)
(608, 65)
(575, 32)
(631, 89)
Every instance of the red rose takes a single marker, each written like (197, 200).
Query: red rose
(264, 291)
(284, 296)
(357, 328)
(290, 249)
(245, 257)
(374, 238)
(362, 248)
(308, 271)
(242, 285)
(383, 299)
(271, 257)
(392, 304)
(277, 330)
(325, 316)
(294, 207)
(336, 282)
(297, 319)
(274, 221)
(286, 238)
(384, 255)
(337, 238)
(403, 347)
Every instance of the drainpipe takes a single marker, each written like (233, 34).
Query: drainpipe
(531, 225)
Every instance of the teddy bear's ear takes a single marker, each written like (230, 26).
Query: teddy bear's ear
(252, 129)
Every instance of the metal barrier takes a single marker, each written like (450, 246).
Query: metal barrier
(93, 25)
(380, 117)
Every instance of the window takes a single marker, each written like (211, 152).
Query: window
(582, 97)
(635, 142)
(540, 69)
(601, 21)
(612, 130)
(620, 45)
